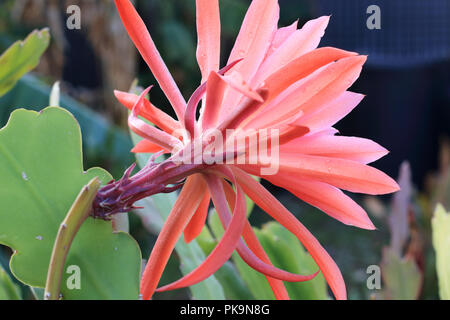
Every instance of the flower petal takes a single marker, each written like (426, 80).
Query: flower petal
(327, 198)
(185, 206)
(302, 67)
(350, 148)
(208, 31)
(300, 42)
(344, 174)
(251, 258)
(197, 222)
(226, 246)
(281, 35)
(311, 93)
(144, 43)
(330, 113)
(156, 116)
(146, 131)
(145, 146)
(267, 202)
(252, 43)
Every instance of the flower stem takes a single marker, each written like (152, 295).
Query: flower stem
(68, 229)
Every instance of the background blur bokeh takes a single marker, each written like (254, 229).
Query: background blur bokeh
(407, 107)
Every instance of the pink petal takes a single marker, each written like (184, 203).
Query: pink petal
(149, 112)
(197, 222)
(330, 113)
(350, 148)
(185, 206)
(215, 90)
(327, 198)
(208, 31)
(226, 246)
(311, 93)
(145, 146)
(281, 35)
(144, 43)
(267, 202)
(344, 174)
(300, 42)
(252, 43)
(251, 258)
(146, 131)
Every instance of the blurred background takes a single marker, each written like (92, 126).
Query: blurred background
(407, 106)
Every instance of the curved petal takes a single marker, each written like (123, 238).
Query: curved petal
(330, 113)
(185, 206)
(351, 148)
(226, 246)
(208, 32)
(328, 199)
(145, 146)
(267, 202)
(264, 267)
(311, 93)
(146, 131)
(280, 36)
(197, 222)
(300, 42)
(344, 174)
(156, 116)
(252, 43)
(144, 43)
(301, 67)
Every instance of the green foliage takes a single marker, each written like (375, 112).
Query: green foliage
(102, 142)
(286, 253)
(8, 289)
(42, 173)
(441, 242)
(402, 277)
(22, 57)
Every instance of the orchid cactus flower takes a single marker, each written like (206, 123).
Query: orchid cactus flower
(278, 93)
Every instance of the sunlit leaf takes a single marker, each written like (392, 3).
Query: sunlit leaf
(8, 289)
(42, 173)
(22, 57)
(401, 276)
(441, 242)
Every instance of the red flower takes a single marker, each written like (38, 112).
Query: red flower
(275, 79)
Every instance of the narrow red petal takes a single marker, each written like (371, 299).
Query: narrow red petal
(267, 202)
(144, 43)
(208, 31)
(185, 206)
(146, 131)
(251, 258)
(195, 226)
(145, 146)
(328, 199)
(156, 116)
(226, 246)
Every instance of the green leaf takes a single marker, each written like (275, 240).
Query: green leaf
(42, 173)
(8, 289)
(102, 141)
(22, 57)
(441, 243)
(286, 253)
(401, 276)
